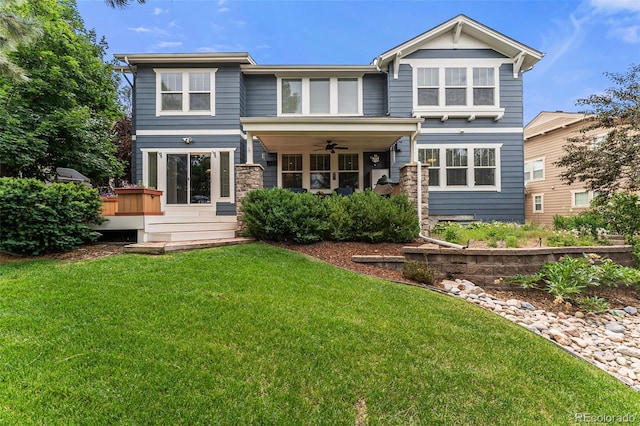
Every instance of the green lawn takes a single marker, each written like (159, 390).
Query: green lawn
(253, 334)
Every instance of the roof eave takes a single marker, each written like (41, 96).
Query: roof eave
(185, 58)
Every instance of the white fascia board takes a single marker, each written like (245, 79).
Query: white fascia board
(309, 70)
(492, 38)
(470, 130)
(185, 58)
(189, 132)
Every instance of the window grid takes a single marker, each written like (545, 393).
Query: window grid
(431, 156)
(325, 96)
(184, 91)
(538, 203)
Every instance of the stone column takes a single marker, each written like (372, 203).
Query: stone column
(409, 185)
(248, 177)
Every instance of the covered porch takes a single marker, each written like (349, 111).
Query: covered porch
(323, 155)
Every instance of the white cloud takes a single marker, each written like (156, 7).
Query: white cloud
(158, 11)
(166, 44)
(223, 9)
(616, 5)
(140, 29)
(622, 18)
(223, 48)
(155, 30)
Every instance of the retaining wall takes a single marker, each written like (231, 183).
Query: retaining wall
(484, 266)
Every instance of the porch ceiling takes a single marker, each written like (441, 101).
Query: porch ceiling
(282, 134)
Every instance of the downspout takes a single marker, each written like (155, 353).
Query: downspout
(419, 169)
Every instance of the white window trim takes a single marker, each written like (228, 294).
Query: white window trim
(533, 203)
(470, 111)
(185, 90)
(470, 167)
(333, 96)
(544, 164)
(215, 160)
(306, 169)
(581, 191)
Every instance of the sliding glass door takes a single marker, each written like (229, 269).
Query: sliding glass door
(189, 178)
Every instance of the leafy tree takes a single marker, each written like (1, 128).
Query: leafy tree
(611, 165)
(14, 30)
(62, 117)
(121, 3)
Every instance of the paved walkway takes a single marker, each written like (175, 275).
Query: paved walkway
(168, 247)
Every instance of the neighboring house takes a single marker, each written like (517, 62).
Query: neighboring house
(450, 98)
(546, 194)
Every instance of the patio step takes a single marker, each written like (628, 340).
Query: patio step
(167, 247)
(191, 235)
(193, 226)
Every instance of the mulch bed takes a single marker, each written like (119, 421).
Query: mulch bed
(340, 253)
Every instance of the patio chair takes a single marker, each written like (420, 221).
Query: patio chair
(343, 191)
(298, 190)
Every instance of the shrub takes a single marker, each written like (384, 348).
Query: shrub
(280, 215)
(418, 271)
(37, 219)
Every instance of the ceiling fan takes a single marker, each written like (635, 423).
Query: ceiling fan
(331, 146)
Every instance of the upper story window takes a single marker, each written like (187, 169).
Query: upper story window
(189, 92)
(465, 167)
(456, 88)
(320, 96)
(534, 170)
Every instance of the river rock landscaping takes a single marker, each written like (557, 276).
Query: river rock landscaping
(611, 341)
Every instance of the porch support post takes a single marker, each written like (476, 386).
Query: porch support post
(249, 148)
(417, 189)
(248, 177)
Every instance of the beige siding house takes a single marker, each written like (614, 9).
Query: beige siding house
(545, 194)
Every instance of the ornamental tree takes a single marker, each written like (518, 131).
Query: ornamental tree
(611, 165)
(63, 116)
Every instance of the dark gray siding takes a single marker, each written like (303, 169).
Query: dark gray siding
(261, 96)
(400, 92)
(227, 98)
(374, 94)
(506, 205)
(199, 141)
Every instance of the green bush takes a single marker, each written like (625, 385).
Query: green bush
(278, 214)
(418, 271)
(37, 219)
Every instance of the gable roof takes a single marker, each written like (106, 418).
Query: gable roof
(547, 122)
(524, 56)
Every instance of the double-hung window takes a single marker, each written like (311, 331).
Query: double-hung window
(452, 88)
(348, 170)
(431, 157)
(185, 92)
(538, 203)
(455, 86)
(462, 167)
(320, 96)
(456, 166)
(534, 170)
(483, 86)
(292, 170)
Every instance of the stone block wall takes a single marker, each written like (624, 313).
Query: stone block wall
(409, 184)
(484, 266)
(248, 177)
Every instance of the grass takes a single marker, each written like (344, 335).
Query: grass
(257, 335)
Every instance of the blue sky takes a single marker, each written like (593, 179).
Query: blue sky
(581, 39)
